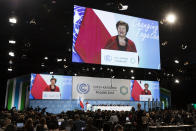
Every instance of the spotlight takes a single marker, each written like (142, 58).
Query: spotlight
(176, 61)
(13, 20)
(122, 7)
(124, 70)
(132, 71)
(10, 69)
(149, 73)
(101, 68)
(75, 74)
(132, 77)
(46, 58)
(59, 60)
(65, 66)
(171, 18)
(184, 46)
(12, 42)
(164, 43)
(42, 65)
(11, 53)
(113, 76)
(93, 68)
(111, 70)
(177, 81)
(51, 73)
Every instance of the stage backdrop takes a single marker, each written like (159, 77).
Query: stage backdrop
(92, 29)
(100, 88)
(92, 89)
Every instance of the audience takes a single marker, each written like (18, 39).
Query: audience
(78, 120)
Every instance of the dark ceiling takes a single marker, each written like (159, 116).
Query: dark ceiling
(44, 28)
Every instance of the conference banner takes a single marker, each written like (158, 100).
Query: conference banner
(100, 88)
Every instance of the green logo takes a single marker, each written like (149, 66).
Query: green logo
(123, 90)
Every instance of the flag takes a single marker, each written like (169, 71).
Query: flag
(136, 90)
(92, 37)
(81, 103)
(38, 87)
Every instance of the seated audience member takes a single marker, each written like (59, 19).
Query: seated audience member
(10, 128)
(52, 124)
(40, 128)
(29, 125)
(90, 126)
(78, 124)
(118, 127)
(69, 126)
(5, 124)
(43, 123)
(113, 118)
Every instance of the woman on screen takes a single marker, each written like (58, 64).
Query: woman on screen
(52, 86)
(121, 42)
(146, 91)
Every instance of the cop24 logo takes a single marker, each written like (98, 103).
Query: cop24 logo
(123, 90)
(83, 88)
(108, 58)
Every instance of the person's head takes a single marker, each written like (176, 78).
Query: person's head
(138, 106)
(29, 125)
(118, 127)
(122, 28)
(43, 121)
(10, 128)
(40, 127)
(146, 86)
(6, 122)
(90, 121)
(53, 81)
(77, 117)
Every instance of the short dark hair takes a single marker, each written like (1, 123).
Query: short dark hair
(146, 84)
(122, 23)
(53, 79)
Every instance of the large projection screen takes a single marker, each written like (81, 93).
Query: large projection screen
(101, 37)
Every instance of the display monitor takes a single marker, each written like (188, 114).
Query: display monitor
(102, 37)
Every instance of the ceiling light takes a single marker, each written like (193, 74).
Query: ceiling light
(10, 69)
(59, 60)
(171, 18)
(13, 20)
(12, 42)
(11, 53)
(46, 58)
(177, 81)
(122, 7)
(176, 61)
(132, 77)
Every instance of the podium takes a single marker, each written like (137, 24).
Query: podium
(119, 58)
(51, 95)
(145, 97)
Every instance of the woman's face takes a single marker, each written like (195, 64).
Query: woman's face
(122, 30)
